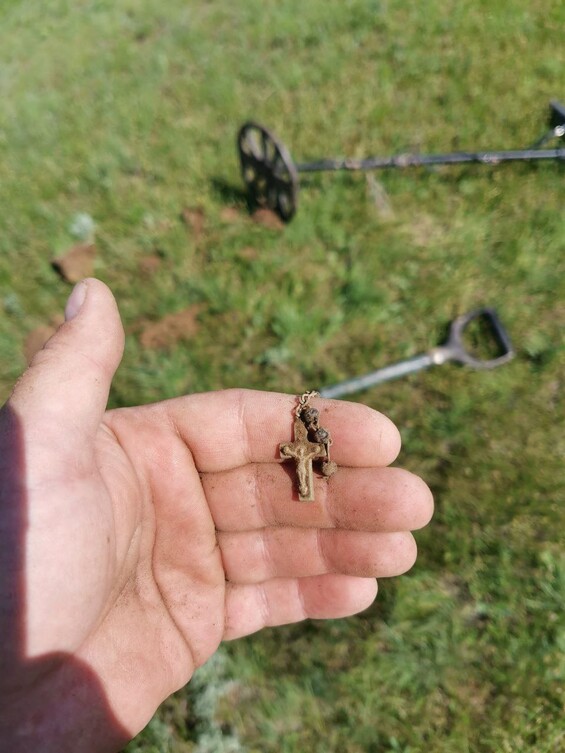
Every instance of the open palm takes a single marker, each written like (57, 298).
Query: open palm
(153, 533)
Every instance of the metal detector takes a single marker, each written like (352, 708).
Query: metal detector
(453, 349)
(271, 176)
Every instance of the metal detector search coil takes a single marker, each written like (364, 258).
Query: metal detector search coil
(452, 350)
(271, 176)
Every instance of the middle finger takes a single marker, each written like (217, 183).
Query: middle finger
(364, 499)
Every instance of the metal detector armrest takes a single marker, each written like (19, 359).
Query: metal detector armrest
(456, 346)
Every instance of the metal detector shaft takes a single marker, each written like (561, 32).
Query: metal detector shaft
(420, 160)
(272, 177)
(453, 349)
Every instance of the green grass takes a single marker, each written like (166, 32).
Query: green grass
(128, 112)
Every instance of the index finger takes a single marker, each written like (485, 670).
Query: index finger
(230, 428)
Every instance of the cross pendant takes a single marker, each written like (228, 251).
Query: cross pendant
(303, 452)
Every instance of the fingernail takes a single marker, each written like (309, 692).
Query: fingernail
(76, 299)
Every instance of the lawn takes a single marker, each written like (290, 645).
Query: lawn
(118, 127)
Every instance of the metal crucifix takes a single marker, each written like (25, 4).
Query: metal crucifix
(303, 451)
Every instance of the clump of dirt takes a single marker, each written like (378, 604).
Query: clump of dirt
(248, 253)
(77, 263)
(194, 218)
(149, 265)
(267, 218)
(172, 328)
(230, 215)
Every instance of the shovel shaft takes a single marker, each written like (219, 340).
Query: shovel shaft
(386, 374)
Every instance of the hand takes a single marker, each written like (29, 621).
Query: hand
(132, 542)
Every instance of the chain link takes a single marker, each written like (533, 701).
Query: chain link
(304, 399)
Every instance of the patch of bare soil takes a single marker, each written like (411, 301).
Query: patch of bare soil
(172, 328)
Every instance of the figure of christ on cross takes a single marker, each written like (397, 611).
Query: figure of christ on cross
(303, 452)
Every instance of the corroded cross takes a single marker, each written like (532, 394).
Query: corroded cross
(303, 452)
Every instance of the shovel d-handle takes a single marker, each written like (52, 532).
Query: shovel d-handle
(452, 350)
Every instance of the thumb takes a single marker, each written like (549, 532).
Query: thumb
(68, 381)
